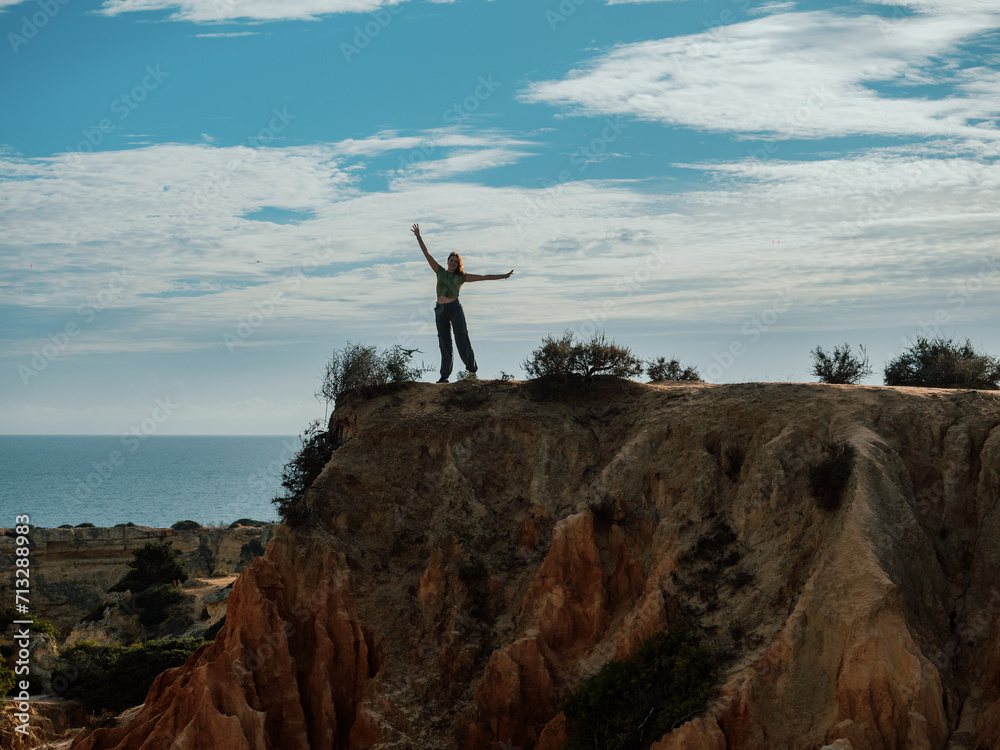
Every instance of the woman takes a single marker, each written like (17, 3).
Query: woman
(448, 310)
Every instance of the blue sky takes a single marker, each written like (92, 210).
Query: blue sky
(201, 199)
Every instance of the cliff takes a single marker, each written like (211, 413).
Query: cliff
(476, 549)
(71, 569)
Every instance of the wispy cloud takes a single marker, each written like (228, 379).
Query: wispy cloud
(797, 75)
(226, 35)
(463, 162)
(772, 7)
(201, 11)
(622, 2)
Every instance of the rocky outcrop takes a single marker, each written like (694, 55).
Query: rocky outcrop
(50, 722)
(475, 550)
(202, 605)
(71, 569)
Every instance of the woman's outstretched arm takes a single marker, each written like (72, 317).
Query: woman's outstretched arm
(435, 266)
(490, 277)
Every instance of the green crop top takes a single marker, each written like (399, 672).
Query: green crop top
(448, 283)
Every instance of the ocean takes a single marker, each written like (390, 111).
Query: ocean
(153, 480)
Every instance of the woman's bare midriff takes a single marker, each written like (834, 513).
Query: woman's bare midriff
(445, 300)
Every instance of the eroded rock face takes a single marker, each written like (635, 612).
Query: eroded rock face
(293, 641)
(478, 549)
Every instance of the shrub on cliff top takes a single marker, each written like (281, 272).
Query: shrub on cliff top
(564, 356)
(842, 367)
(630, 704)
(941, 363)
(357, 366)
(118, 677)
(247, 522)
(660, 370)
(153, 563)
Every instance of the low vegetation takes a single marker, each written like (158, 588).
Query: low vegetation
(153, 603)
(660, 370)
(358, 366)
(318, 445)
(630, 704)
(842, 366)
(247, 522)
(152, 564)
(38, 625)
(7, 680)
(565, 356)
(114, 678)
(941, 363)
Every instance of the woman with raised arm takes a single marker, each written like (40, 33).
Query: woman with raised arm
(448, 311)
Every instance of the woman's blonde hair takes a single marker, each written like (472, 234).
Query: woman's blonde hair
(461, 266)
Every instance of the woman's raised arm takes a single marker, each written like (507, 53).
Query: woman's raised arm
(489, 277)
(435, 266)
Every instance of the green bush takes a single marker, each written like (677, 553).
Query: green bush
(186, 526)
(660, 369)
(153, 603)
(828, 478)
(941, 363)
(298, 475)
(7, 680)
(357, 366)
(842, 367)
(247, 522)
(153, 563)
(114, 678)
(630, 704)
(598, 356)
(38, 625)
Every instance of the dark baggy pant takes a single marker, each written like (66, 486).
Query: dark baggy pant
(448, 315)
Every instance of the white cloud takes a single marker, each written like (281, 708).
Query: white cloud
(463, 162)
(428, 141)
(226, 35)
(943, 6)
(251, 10)
(772, 7)
(795, 75)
